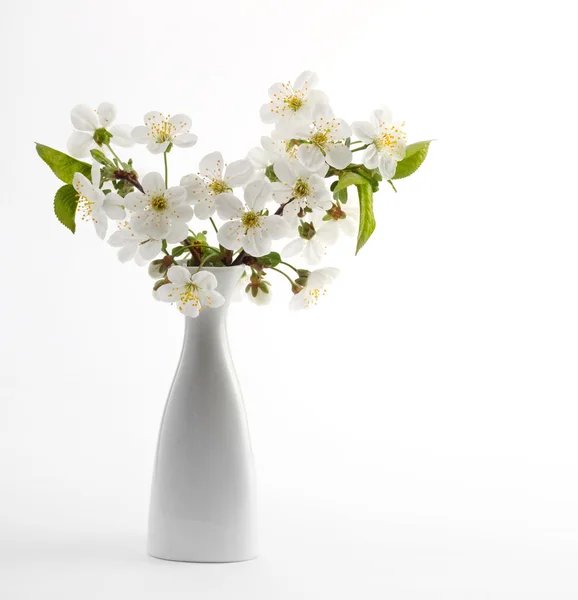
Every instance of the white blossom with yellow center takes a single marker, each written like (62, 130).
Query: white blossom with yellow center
(300, 189)
(316, 287)
(249, 226)
(159, 213)
(387, 142)
(291, 102)
(324, 140)
(86, 121)
(93, 204)
(213, 179)
(160, 132)
(191, 292)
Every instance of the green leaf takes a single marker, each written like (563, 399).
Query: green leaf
(65, 203)
(366, 216)
(270, 260)
(62, 165)
(348, 178)
(414, 156)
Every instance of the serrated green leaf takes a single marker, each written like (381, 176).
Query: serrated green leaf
(415, 154)
(62, 165)
(65, 203)
(366, 216)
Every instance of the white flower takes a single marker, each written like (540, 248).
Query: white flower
(160, 132)
(305, 189)
(249, 227)
(293, 102)
(93, 204)
(312, 243)
(269, 153)
(192, 293)
(159, 213)
(315, 288)
(212, 180)
(325, 140)
(134, 245)
(386, 142)
(87, 121)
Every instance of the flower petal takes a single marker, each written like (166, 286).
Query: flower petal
(179, 275)
(169, 292)
(106, 113)
(238, 172)
(293, 248)
(212, 165)
(79, 144)
(228, 206)
(230, 235)
(310, 156)
(181, 123)
(185, 140)
(177, 194)
(280, 192)
(307, 80)
(257, 242)
(371, 157)
(285, 172)
(256, 194)
(122, 136)
(141, 134)
(153, 184)
(205, 280)
(276, 226)
(179, 231)
(150, 249)
(387, 166)
(112, 206)
(338, 156)
(84, 118)
(364, 130)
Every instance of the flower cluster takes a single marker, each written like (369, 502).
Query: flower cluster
(288, 199)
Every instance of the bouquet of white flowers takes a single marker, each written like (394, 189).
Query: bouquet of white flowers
(294, 188)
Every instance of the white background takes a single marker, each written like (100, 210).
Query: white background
(415, 437)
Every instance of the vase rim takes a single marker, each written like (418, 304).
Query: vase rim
(220, 269)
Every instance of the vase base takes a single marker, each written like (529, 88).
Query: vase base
(210, 560)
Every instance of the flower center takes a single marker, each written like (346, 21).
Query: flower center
(189, 294)
(390, 139)
(250, 220)
(314, 294)
(320, 138)
(163, 131)
(218, 186)
(159, 203)
(301, 189)
(294, 102)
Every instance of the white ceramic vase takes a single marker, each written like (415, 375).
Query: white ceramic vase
(203, 492)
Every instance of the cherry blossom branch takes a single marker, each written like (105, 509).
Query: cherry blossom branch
(131, 177)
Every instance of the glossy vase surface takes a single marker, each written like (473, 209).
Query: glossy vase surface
(203, 492)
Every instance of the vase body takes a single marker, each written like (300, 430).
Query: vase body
(203, 491)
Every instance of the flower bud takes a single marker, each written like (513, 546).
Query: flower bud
(158, 268)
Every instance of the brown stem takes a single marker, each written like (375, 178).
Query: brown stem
(131, 177)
